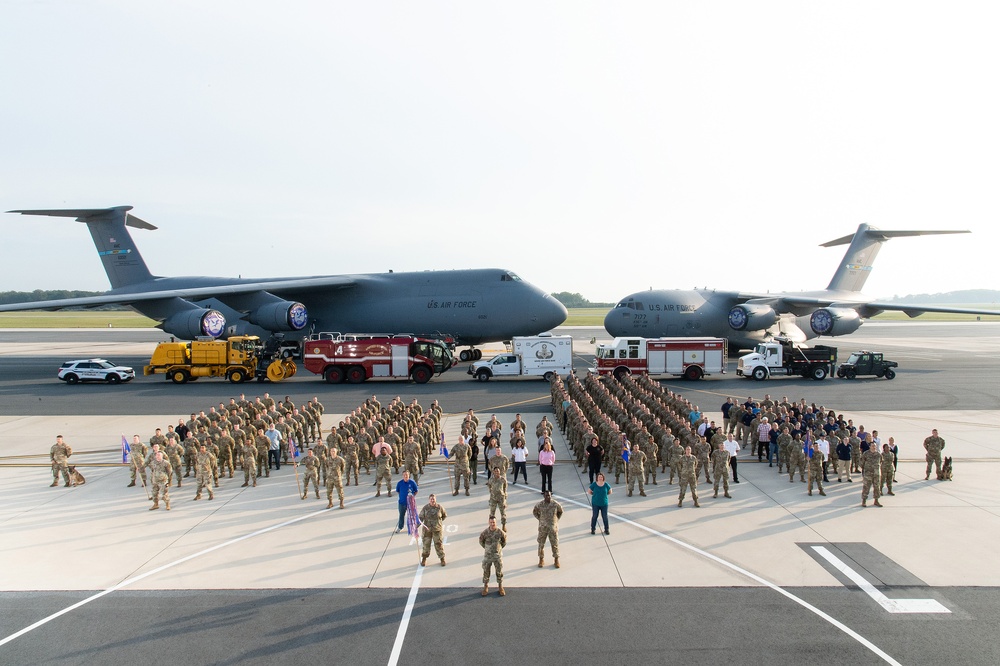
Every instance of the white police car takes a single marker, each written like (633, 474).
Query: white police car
(95, 370)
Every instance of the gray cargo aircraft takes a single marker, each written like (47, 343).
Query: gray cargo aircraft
(748, 318)
(470, 306)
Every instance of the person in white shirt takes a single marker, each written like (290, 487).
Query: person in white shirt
(734, 449)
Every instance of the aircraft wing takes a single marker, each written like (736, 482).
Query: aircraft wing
(803, 304)
(193, 293)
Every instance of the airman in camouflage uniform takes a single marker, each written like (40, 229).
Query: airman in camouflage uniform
(649, 448)
(461, 452)
(493, 540)
(311, 463)
(174, 453)
(871, 465)
(432, 519)
(796, 460)
(548, 512)
(933, 445)
(720, 469)
(226, 445)
(636, 470)
(688, 476)
(350, 449)
(203, 471)
(887, 470)
(816, 469)
(333, 473)
(785, 443)
(160, 479)
(703, 453)
(498, 496)
(674, 455)
(411, 457)
(137, 460)
(59, 455)
(382, 463)
(249, 464)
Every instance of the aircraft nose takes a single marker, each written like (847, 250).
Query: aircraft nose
(551, 313)
(613, 323)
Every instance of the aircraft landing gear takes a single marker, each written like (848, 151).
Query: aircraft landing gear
(470, 354)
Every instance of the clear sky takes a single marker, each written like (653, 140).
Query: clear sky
(599, 148)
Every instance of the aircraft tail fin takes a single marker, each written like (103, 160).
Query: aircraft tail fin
(865, 243)
(122, 261)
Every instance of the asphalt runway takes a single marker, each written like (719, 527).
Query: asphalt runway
(261, 576)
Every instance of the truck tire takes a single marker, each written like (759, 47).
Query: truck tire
(818, 373)
(356, 374)
(483, 375)
(113, 378)
(890, 373)
(237, 376)
(850, 373)
(72, 379)
(421, 374)
(759, 373)
(840, 373)
(334, 375)
(178, 376)
(622, 371)
(548, 376)
(693, 373)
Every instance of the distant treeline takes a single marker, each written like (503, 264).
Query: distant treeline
(577, 301)
(964, 296)
(13, 297)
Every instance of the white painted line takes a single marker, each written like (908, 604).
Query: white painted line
(890, 605)
(397, 647)
(754, 577)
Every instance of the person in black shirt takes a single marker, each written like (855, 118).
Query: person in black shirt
(595, 453)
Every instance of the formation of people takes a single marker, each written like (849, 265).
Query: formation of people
(630, 427)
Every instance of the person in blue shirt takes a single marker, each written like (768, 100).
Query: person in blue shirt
(404, 488)
(599, 501)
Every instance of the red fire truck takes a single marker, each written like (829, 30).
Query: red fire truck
(357, 357)
(692, 358)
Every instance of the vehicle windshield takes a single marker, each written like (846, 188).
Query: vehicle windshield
(761, 349)
(107, 365)
(854, 358)
(602, 352)
(439, 354)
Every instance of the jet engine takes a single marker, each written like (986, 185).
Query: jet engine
(196, 322)
(752, 317)
(280, 316)
(834, 321)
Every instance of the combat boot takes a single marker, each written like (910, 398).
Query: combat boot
(728, 495)
(254, 484)
(630, 493)
(557, 563)
(455, 494)
(423, 561)
(617, 477)
(501, 591)
(642, 493)
(378, 493)
(196, 497)
(168, 505)
(466, 492)
(443, 563)
(696, 505)
(130, 485)
(329, 504)
(541, 562)
(179, 483)
(823, 493)
(304, 494)
(245, 484)
(156, 505)
(864, 501)
(390, 493)
(877, 503)
(317, 494)
(341, 504)
(486, 590)
(211, 495)
(54, 484)
(891, 493)
(680, 503)
(187, 474)
(716, 494)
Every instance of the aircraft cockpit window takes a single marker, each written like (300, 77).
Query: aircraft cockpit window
(639, 307)
(510, 277)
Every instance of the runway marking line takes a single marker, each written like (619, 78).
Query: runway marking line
(752, 576)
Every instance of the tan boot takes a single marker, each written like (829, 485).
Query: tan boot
(642, 493)
(53, 484)
(486, 590)
(541, 562)
(378, 493)
(304, 494)
(329, 504)
(466, 492)
(196, 497)
(423, 561)
(443, 563)
(156, 505)
(877, 503)
(680, 503)
(341, 504)
(501, 591)
(168, 505)
(864, 501)
(696, 505)
(557, 563)
(728, 495)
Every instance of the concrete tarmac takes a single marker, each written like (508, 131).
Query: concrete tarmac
(769, 576)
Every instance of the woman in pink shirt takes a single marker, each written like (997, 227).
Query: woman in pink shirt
(546, 460)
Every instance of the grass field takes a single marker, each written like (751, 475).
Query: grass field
(577, 317)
